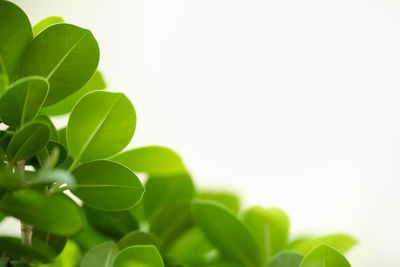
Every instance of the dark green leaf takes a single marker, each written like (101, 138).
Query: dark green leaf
(66, 55)
(153, 160)
(3, 76)
(49, 244)
(114, 224)
(102, 255)
(23, 99)
(69, 257)
(65, 106)
(46, 120)
(57, 214)
(16, 33)
(324, 256)
(341, 242)
(28, 141)
(227, 232)
(43, 24)
(107, 185)
(97, 131)
(286, 259)
(138, 238)
(139, 256)
(12, 247)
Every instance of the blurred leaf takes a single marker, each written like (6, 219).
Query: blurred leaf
(153, 160)
(223, 229)
(324, 256)
(139, 256)
(12, 247)
(191, 248)
(88, 237)
(46, 120)
(221, 263)
(286, 259)
(8, 179)
(66, 55)
(3, 78)
(43, 24)
(22, 100)
(341, 242)
(54, 175)
(49, 244)
(114, 224)
(65, 106)
(229, 200)
(98, 131)
(270, 227)
(16, 26)
(57, 213)
(138, 238)
(28, 141)
(162, 191)
(62, 137)
(102, 255)
(69, 257)
(107, 185)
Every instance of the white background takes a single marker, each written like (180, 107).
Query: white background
(292, 103)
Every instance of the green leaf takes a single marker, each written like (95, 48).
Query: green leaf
(191, 248)
(101, 125)
(139, 256)
(229, 200)
(102, 255)
(69, 257)
(12, 247)
(8, 179)
(28, 141)
(65, 106)
(324, 256)
(53, 175)
(114, 224)
(341, 242)
(169, 222)
(286, 259)
(221, 263)
(16, 32)
(43, 24)
(162, 191)
(138, 238)
(3, 77)
(48, 243)
(227, 232)
(88, 237)
(23, 99)
(66, 55)
(270, 227)
(153, 160)
(57, 213)
(46, 120)
(107, 185)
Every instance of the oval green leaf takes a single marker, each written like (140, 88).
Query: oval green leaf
(66, 55)
(49, 244)
(43, 24)
(107, 185)
(13, 247)
(139, 256)
(138, 238)
(153, 160)
(102, 255)
(28, 141)
(101, 125)
(23, 99)
(65, 106)
(286, 259)
(341, 242)
(227, 232)
(57, 213)
(324, 256)
(16, 33)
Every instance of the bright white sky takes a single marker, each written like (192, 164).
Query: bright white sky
(293, 103)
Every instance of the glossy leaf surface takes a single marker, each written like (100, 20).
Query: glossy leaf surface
(139, 256)
(341, 242)
(324, 256)
(138, 238)
(102, 255)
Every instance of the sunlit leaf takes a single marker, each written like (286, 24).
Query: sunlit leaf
(43, 24)
(102, 255)
(285, 259)
(324, 256)
(139, 256)
(341, 242)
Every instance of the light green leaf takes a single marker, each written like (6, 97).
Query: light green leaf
(88, 238)
(229, 200)
(28, 141)
(324, 256)
(341, 242)
(138, 238)
(270, 227)
(221, 263)
(153, 160)
(54, 175)
(65, 106)
(69, 257)
(107, 185)
(227, 232)
(139, 256)
(3, 76)
(162, 191)
(191, 248)
(102, 255)
(16, 33)
(66, 55)
(57, 213)
(114, 224)
(97, 131)
(286, 259)
(43, 24)
(23, 99)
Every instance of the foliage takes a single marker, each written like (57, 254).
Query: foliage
(76, 190)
